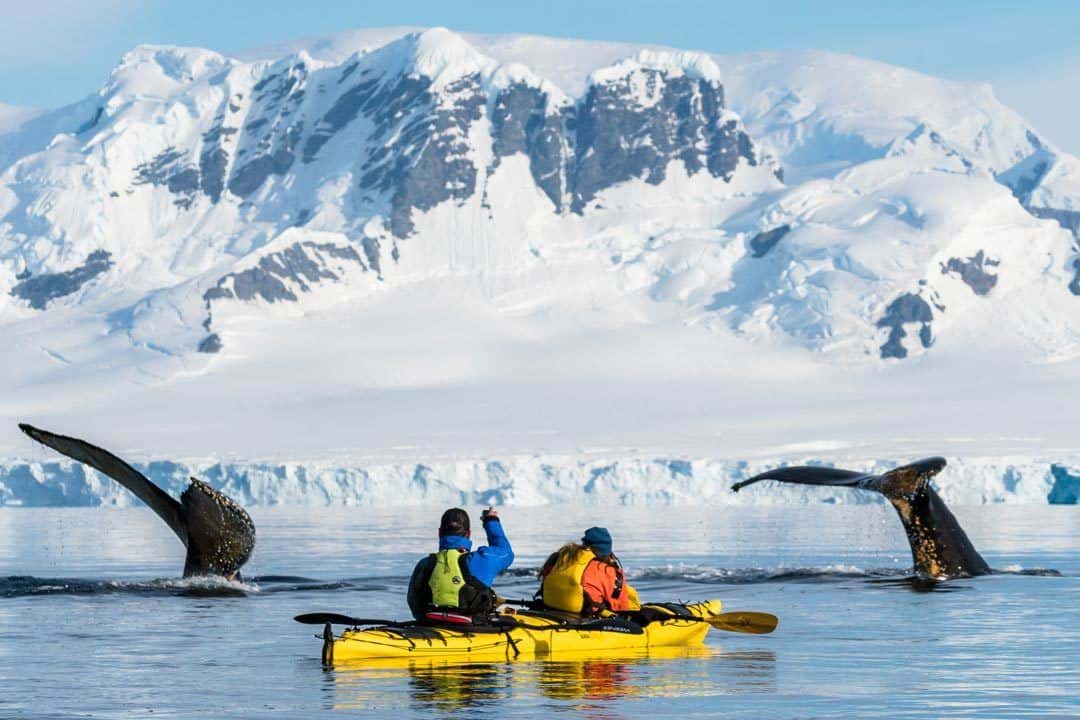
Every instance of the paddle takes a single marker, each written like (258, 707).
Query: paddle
(336, 619)
(520, 603)
(755, 623)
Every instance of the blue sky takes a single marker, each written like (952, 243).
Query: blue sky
(56, 51)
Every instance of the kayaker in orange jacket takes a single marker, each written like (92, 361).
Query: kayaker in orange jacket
(587, 578)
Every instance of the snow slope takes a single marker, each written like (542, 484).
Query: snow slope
(391, 247)
(12, 117)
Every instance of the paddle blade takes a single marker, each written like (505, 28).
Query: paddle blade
(756, 623)
(337, 619)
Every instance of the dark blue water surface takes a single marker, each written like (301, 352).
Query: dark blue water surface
(94, 622)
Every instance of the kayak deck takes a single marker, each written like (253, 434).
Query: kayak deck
(520, 635)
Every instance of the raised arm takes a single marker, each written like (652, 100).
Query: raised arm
(488, 561)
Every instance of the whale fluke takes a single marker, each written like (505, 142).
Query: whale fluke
(806, 475)
(156, 499)
(218, 534)
(939, 546)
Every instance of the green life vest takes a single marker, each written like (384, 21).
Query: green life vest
(447, 579)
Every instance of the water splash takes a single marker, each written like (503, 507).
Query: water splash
(739, 576)
(25, 585)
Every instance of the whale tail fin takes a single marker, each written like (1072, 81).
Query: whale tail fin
(156, 499)
(218, 534)
(906, 481)
(221, 535)
(900, 482)
(939, 546)
(807, 475)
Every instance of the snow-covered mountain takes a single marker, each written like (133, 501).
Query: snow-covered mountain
(252, 181)
(194, 182)
(421, 211)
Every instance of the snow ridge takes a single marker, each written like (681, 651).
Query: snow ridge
(698, 66)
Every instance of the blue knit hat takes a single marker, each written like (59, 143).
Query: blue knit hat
(599, 539)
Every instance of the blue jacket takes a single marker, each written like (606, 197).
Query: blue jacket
(488, 561)
(483, 564)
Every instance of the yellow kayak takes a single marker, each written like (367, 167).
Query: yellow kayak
(513, 635)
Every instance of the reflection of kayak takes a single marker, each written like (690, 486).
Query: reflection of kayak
(525, 634)
(446, 685)
(364, 669)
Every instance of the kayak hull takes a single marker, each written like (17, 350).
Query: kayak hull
(530, 637)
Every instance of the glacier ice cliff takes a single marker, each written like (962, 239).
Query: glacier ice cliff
(526, 481)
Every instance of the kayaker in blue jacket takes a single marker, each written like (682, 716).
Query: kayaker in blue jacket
(454, 584)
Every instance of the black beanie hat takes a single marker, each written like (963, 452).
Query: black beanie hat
(455, 521)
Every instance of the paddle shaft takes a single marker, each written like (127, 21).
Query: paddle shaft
(338, 619)
(754, 623)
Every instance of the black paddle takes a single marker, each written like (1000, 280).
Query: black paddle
(338, 619)
(520, 603)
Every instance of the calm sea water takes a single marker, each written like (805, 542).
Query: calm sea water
(95, 624)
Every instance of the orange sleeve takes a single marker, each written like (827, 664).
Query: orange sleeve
(598, 583)
(596, 586)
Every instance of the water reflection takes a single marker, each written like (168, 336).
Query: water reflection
(467, 687)
(594, 687)
(585, 679)
(920, 584)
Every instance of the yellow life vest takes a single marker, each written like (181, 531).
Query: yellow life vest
(447, 579)
(562, 589)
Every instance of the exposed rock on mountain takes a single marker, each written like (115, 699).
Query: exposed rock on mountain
(796, 199)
